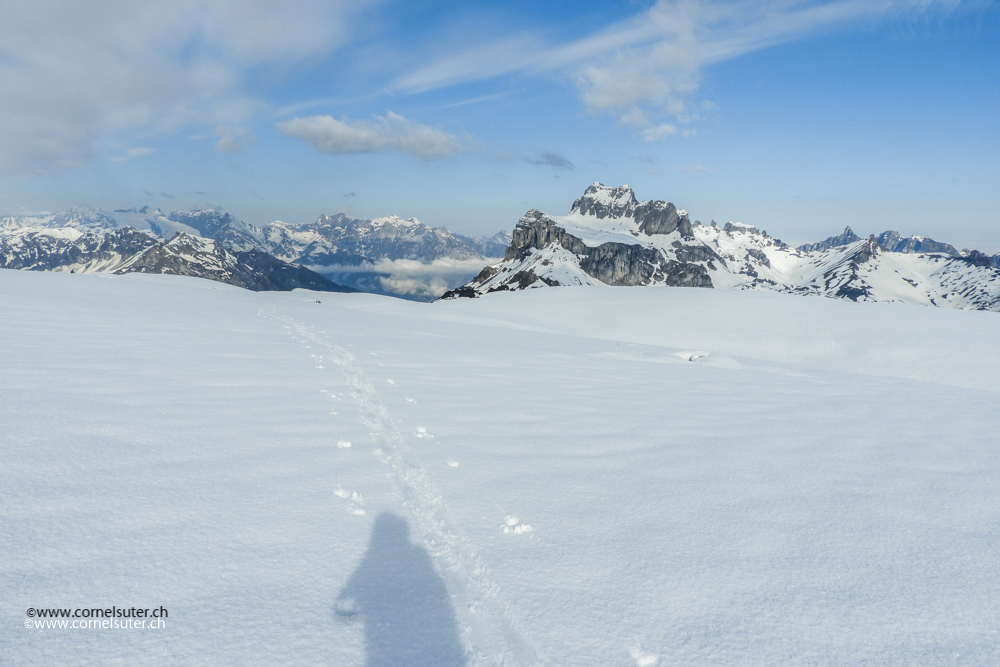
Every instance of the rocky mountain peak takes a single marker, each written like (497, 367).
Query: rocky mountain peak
(846, 238)
(207, 221)
(602, 201)
(894, 242)
(396, 221)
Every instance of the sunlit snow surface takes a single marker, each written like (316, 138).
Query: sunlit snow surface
(605, 476)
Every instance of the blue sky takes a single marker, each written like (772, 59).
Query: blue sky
(797, 116)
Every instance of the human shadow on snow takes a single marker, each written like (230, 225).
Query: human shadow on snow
(403, 602)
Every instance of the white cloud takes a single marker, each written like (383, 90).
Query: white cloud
(76, 75)
(422, 279)
(650, 64)
(389, 132)
(233, 141)
(410, 277)
(432, 286)
(659, 132)
(133, 153)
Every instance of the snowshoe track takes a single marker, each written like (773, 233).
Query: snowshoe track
(491, 636)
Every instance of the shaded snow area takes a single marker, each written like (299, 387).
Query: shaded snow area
(605, 476)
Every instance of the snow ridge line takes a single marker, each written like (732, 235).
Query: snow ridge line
(477, 596)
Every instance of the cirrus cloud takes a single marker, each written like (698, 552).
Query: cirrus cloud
(650, 64)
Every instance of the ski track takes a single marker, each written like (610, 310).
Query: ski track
(490, 635)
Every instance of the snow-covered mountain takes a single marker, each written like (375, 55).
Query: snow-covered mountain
(611, 238)
(127, 250)
(389, 255)
(889, 240)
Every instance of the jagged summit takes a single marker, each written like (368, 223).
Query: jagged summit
(848, 236)
(602, 201)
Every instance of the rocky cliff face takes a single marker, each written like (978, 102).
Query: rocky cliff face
(611, 238)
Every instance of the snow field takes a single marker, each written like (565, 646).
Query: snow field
(699, 477)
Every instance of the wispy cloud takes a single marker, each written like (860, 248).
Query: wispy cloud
(659, 132)
(388, 132)
(551, 160)
(650, 64)
(142, 67)
(133, 153)
(477, 100)
(232, 140)
(696, 167)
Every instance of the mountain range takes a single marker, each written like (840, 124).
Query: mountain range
(390, 255)
(127, 250)
(610, 238)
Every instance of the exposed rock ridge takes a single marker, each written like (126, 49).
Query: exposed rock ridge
(894, 242)
(890, 241)
(847, 237)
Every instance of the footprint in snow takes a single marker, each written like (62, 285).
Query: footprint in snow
(356, 500)
(346, 607)
(422, 433)
(513, 525)
(643, 658)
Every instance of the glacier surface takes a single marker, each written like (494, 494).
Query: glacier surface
(605, 476)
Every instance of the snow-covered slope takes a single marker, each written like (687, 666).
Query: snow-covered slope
(571, 478)
(609, 237)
